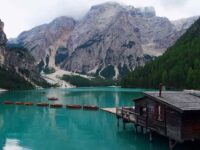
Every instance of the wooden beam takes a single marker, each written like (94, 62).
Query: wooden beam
(117, 122)
(136, 128)
(172, 144)
(151, 136)
(142, 130)
(124, 125)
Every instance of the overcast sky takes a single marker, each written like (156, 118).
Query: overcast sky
(20, 15)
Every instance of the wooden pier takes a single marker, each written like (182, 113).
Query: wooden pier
(109, 110)
(127, 114)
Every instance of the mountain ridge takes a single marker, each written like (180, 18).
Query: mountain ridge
(110, 37)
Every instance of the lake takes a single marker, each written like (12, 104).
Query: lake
(34, 128)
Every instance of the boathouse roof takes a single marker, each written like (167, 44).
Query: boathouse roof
(180, 100)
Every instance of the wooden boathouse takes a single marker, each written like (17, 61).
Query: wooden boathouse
(175, 115)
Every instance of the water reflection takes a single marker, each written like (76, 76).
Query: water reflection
(13, 144)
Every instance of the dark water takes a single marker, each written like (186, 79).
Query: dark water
(30, 127)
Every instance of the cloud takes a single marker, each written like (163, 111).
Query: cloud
(172, 3)
(20, 15)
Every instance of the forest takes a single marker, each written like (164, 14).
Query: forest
(178, 68)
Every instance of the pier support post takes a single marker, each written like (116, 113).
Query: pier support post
(136, 129)
(150, 136)
(117, 122)
(124, 125)
(172, 144)
(142, 130)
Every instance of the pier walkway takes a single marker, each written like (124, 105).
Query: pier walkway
(127, 114)
(109, 110)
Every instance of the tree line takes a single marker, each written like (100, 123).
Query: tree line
(177, 68)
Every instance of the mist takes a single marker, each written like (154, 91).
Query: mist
(23, 15)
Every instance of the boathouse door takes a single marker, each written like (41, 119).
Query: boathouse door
(156, 117)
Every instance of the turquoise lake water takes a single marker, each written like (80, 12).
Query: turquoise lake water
(33, 128)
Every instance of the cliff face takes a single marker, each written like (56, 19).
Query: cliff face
(185, 23)
(109, 41)
(43, 40)
(103, 40)
(3, 38)
(3, 41)
(17, 60)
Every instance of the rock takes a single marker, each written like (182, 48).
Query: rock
(3, 38)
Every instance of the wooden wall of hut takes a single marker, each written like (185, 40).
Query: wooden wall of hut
(191, 125)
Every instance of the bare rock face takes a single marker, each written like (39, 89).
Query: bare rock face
(41, 40)
(154, 34)
(185, 23)
(109, 41)
(119, 38)
(18, 59)
(3, 38)
(3, 41)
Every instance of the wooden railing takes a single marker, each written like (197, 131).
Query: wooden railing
(128, 114)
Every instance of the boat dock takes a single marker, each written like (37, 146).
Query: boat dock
(109, 110)
(113, 110)
(127, 114)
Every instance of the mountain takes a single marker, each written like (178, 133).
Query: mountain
(111, 40)
(44, 40)
(177, 68)
(17, 69)
(185, 23)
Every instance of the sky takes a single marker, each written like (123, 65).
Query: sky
(21, 15)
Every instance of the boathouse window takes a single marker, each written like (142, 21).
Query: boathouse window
(143, 111)
(160, 113)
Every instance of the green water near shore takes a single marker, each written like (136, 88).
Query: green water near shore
(33, 128)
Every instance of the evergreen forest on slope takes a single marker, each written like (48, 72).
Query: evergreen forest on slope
(177, 68)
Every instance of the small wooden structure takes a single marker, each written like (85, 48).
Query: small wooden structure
(175, 115)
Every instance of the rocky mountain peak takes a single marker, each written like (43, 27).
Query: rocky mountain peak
(113, 8)
(104, 11)
(64, 22)
(107, 5)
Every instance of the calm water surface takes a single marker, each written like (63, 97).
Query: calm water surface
(33, 128)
